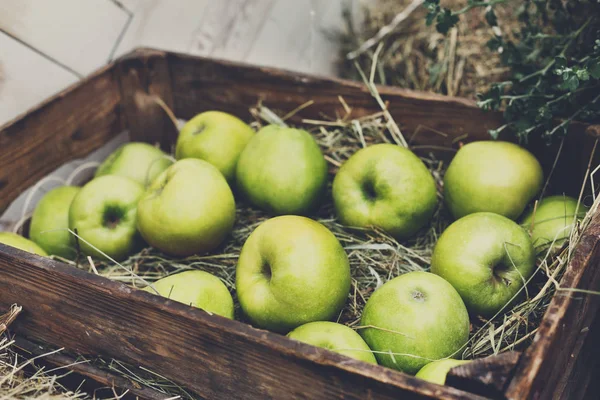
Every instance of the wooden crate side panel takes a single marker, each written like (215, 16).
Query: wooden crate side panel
(213, 356)
(583, 380)
(551, 356)
(485, 376)
(429, 122)
(69, 125)
(145, 85)
(201, 84)
(86, 369)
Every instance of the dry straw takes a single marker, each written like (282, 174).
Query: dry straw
(21, 378)
(416, 56)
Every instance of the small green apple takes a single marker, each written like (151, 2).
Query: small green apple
(385, 186)
(50, 222)
(413, 319)
(292, 270)
(436, 371)
(216, 137)
(552, 220)
(188, 209)
(19, 242)
(283, 171)
(103, 213)
(334, 337)
(197, 289)
(487, 258)
(492, 176)
(139, 161)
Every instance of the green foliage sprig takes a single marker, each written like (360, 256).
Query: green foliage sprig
(554, 62)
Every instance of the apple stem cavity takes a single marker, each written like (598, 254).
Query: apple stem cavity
(418, 296)
(369, 191)
(499, 274)
(112, 217)
(199, 129)
(266, 271)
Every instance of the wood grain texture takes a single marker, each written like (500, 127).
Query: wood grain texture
(69, 125)
(428, 121)
(487, 377)
(79, 34)
(87, 370)
(294, 36)
(22, 85)
(145, 79)
(228, 29)
(213, 356)
(547, 364)
(239, 36)
(582, 382)
(280, 33)
(160, 24)
(201, 84)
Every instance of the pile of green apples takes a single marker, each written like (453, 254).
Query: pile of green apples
(293, 275)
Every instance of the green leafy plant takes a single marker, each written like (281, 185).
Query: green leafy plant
(554, 61)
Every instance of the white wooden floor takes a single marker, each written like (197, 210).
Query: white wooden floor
(46, 45)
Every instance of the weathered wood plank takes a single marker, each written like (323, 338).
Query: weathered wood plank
(145, 85)
(213, 356)
(69, 125)
(582, 382)
(87, 370)
(429, 122)
(548, 362)
(200, 84)
(26, 78)
(217, 22)
(296, 36)
(80, 34)
(235, 40)
(162, 25)
(487, 376)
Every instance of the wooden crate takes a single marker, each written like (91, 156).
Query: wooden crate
(220, 358)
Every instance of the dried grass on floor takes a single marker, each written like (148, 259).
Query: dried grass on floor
(416, 56)
(19, 376)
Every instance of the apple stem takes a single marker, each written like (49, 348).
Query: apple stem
(167, 110)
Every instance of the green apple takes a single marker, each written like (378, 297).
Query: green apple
(103, 214)
(216, 137)
(487, 258)
(50, 222)
(139, 161)
(197, 289)
(413, 319)
(19, 242)
(436, 371)
(498, 177)
(552, 220)
(283, 171)
(292, 270)
(334, 337)
(188, 209)
(385, 186)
